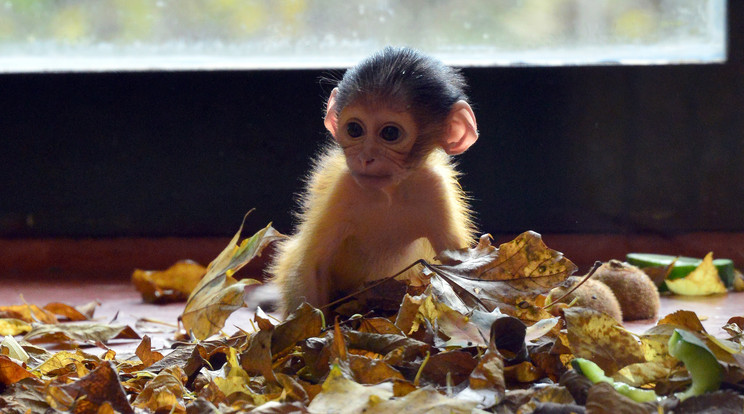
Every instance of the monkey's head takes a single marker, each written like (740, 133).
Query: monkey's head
(393, 109)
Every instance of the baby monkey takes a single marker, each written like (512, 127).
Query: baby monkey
(384, 193)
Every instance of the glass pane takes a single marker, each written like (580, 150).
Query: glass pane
(202, 34)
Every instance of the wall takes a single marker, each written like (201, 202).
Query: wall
(606, 149)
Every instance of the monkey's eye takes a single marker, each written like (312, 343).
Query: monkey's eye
(354, 129)
(390, 133)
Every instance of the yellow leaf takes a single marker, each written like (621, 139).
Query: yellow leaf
(59, 361)
(236, 379)
(597, 337)
(218, 294)
(340, 394)
(171, 285)
(164, 392)
(702, 281)
(508, 278)
(28, 313)
(13, 327)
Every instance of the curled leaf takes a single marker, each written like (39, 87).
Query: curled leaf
(99, 388)
(704, 280)
(486, 278)
(218, 294)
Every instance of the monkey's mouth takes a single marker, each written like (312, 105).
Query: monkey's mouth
(373, 181)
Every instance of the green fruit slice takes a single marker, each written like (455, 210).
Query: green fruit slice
(596, 374)
(704, 369)
(683, 266)
(700, 362)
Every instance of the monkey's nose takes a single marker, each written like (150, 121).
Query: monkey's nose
(366, 160)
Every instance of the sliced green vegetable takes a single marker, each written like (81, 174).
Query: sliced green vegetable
(704, 369)
(683, 266)
(596, 374)
(700, 362)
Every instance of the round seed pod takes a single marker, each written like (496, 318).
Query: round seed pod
(637, 294)
(592, 294)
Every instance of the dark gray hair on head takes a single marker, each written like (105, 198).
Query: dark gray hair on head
(404, 78)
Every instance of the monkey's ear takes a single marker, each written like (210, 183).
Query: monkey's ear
(331, 119)
(462, 130)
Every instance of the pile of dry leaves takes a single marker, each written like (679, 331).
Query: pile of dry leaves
(477, 338)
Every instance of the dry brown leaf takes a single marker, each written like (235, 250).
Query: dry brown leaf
(603, 399)
(683, 319)
(489, 372)
(719, 402)
(379, 326)
(645, 372)
(69, 312)
(340, 394)
(385, 344)
(11, 372)
(27, 313)
(655, 339)
(61, 361)
(524, 372)
(486, 383)
(164, 392)
(98, 388)
(454, 327)
(424, 401)
(256, 358)
(406, 319)
(450, 367)
(514, 274)
(235, 378)
(218, 294)
(79, 332)
(551, 399)
(305, 322)
(598, 338)
(174, 284)
(27, 396)
(146, 354)
(526, 256)
(365, 370)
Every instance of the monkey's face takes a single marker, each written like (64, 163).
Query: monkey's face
(377, 143)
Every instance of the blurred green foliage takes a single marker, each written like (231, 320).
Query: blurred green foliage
(313, 26)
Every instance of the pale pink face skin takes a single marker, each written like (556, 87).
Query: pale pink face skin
(377, 139)
(376, 143)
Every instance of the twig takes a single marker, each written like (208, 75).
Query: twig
(596, 266)
(375, 284)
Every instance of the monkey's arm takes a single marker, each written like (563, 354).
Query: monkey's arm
(301, 271)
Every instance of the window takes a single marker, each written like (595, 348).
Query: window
(42, 35)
